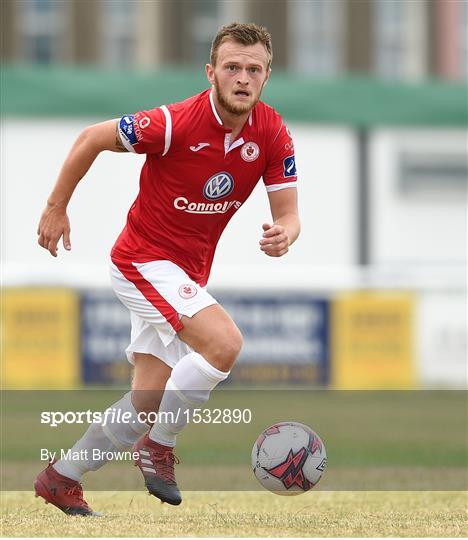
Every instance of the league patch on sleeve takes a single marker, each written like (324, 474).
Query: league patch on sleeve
(127, 129)
(289, 166)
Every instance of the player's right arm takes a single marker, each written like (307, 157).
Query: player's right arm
(54, 223)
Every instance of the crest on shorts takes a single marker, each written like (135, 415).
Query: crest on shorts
(250, 151)
(187, 291)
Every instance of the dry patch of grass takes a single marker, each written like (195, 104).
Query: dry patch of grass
(244, 514)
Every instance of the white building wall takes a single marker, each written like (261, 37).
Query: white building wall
(418, 231)
(33, 152)
(427, 226)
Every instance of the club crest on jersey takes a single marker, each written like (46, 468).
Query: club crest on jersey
(289, 166)
(250, 151)
(187, 291)
(218, 186)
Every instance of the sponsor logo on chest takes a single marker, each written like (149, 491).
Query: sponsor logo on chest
(218, 186)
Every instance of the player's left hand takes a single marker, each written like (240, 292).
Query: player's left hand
(275, 241)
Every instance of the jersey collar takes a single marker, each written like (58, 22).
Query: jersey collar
(213, 108)
(215, 112)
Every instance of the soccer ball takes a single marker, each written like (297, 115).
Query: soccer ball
(288, 458)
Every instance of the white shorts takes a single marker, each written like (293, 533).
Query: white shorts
(157, 294)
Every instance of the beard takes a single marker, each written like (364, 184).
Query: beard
(237, 109)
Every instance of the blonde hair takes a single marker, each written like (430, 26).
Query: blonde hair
(246, 34)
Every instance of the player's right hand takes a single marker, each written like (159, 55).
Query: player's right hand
(53, 225)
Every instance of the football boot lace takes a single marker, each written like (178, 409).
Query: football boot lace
(165, 462)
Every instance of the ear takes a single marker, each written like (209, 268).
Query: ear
(209, 70)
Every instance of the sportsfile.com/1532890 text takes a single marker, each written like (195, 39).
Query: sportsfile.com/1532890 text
(115, 416)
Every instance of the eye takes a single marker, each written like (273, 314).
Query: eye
(231, 67)
(254, 70)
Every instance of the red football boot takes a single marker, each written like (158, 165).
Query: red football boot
(62, 492)
(156, 462)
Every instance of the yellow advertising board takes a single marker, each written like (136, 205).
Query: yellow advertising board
(372, 341)
(40, 338)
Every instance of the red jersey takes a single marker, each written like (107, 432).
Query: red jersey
(195, 178)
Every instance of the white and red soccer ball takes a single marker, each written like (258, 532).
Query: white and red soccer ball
(288, 458)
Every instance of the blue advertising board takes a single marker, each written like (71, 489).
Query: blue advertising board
(105, 334)
(286, 337)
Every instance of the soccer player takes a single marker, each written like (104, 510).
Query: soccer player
(204, 157)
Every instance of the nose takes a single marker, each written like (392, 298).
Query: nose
(243, 77)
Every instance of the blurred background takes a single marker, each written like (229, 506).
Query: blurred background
(371, 296)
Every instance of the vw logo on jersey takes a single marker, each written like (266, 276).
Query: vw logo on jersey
(219, 185)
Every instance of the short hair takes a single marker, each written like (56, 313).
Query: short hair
(246, 34)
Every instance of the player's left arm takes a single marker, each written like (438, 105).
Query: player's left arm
(277, 237)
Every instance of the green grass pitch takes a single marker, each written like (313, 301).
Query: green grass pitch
(397, 467)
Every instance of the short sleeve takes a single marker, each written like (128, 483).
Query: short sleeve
(147, 132)
(280, 172)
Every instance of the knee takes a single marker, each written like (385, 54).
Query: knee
(223, 351)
